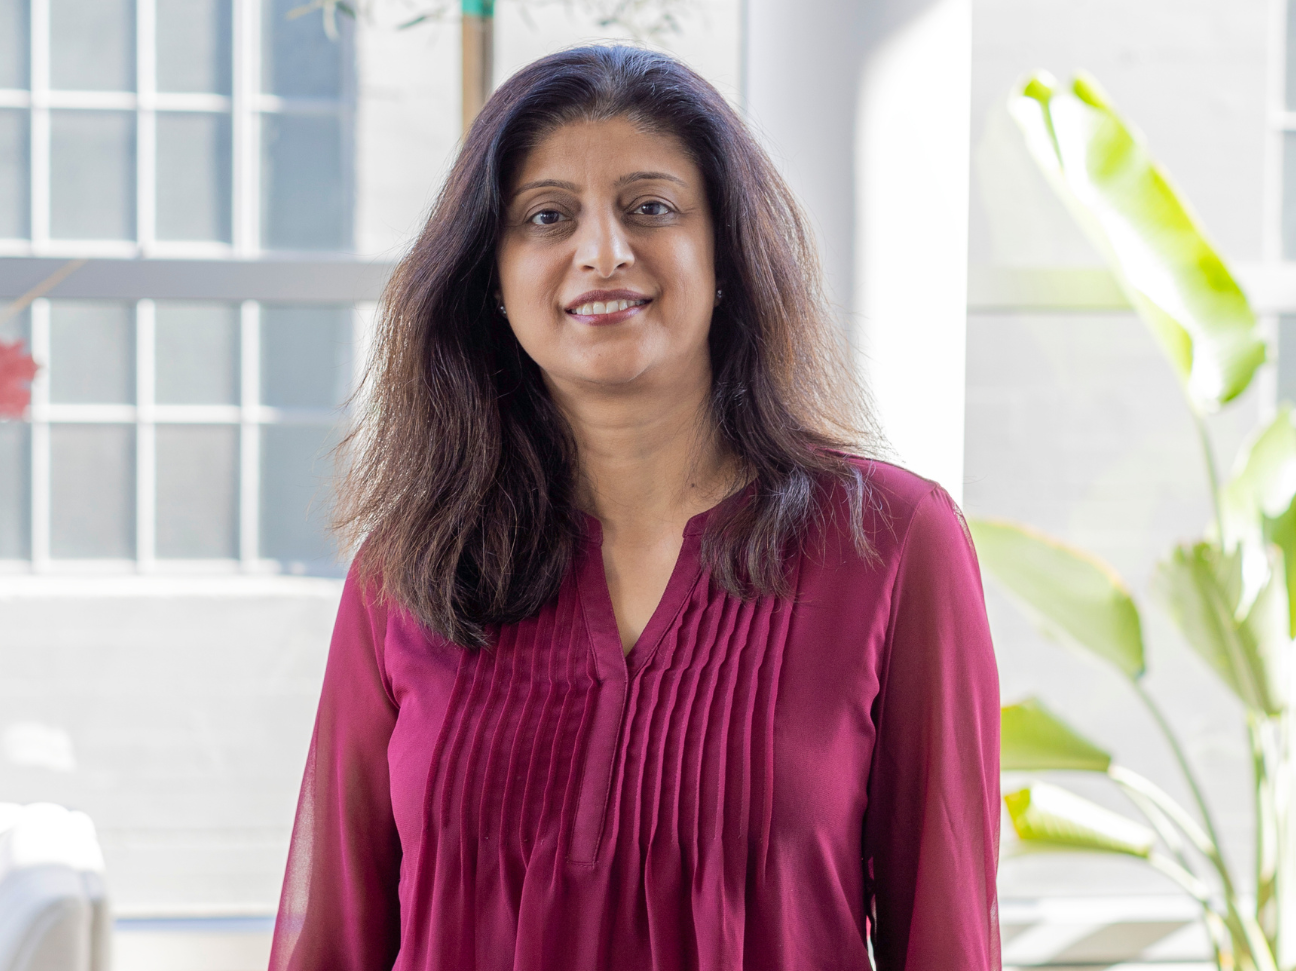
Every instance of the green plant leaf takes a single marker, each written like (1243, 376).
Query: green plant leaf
(1071, 594)
(1281, 531)
(1057, 818)
(1154, 243)
(1033, 738)
(1201, 587)
(1258, 505)
(1264, 480)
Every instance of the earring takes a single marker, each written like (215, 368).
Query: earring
(719, 294)
(503, 312)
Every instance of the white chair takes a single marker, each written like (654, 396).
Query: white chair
(54, 912)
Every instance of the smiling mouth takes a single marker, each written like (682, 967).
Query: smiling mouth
(601, 308)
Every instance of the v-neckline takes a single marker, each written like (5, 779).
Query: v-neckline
(610, 657)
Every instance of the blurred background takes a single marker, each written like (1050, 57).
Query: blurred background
(200, 201)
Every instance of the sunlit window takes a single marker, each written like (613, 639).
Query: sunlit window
(174, 433)
(170, 432)
(224, 130)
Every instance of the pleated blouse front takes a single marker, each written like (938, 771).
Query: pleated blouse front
(757, 784)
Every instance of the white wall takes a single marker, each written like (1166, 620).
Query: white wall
(709, 40)
(407, 125)
(865, 107)
(185, 706)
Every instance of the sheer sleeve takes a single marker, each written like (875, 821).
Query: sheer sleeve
(931, 831)
(339, 909)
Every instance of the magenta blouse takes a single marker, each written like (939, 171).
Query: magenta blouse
(757, 785)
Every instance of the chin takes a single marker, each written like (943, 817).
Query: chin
(610, 379)
(620, 368)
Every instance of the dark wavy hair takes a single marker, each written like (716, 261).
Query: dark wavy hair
(461, 473)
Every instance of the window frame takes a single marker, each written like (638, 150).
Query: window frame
(144, 270)
(247, 105)
(249, 416)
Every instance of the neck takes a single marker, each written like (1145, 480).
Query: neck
(647, 461)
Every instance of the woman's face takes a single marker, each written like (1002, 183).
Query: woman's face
(606, 260)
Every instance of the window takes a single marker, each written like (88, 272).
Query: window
(172, 435)
(173, 127)
(171, 431)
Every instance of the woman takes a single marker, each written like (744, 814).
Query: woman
(636, 668)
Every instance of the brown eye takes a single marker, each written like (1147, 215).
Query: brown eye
(652, 209)
(546, 217)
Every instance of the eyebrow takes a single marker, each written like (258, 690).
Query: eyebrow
(546, 184)
(621, 182)
(648, 177)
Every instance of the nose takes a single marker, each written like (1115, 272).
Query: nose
(602, 245)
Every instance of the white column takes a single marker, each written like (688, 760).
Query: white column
(865, 106)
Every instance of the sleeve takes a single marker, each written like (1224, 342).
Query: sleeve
(339, 909)
(931, 830)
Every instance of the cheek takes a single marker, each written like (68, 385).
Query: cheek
(536, 341)
(692, 266)
(525, 274)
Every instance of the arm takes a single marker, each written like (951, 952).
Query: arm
(339, 909)
(931, 831)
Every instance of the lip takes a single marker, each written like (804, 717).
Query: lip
(604, 296)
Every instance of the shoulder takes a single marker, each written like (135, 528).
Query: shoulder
(362, 597)
(898, 510)
(360, 633)
(371, 619)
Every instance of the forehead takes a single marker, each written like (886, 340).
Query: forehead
(592, 154)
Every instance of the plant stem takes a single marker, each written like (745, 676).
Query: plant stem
(1140, 789)
(1212, 473)
(1139, 792)
(1265, 835)
(1168, 733)
(1153, 802)
(1245, 932)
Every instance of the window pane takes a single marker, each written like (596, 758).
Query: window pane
(197, 350)
(92, 174)
(14, 43)
(1287, 358)
(92, 352)
(92, 491)
(92, 45)
(1291, 54)
(15, 495)
(15, 462)
(298, 59)
(305, 356)
(193, 176)
(197, 491)
(17, 328)
(193, 45)
(295, 498)
(1289, 196)
(302, 204)
(14, 161)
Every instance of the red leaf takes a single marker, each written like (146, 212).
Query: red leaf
(16, 372)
